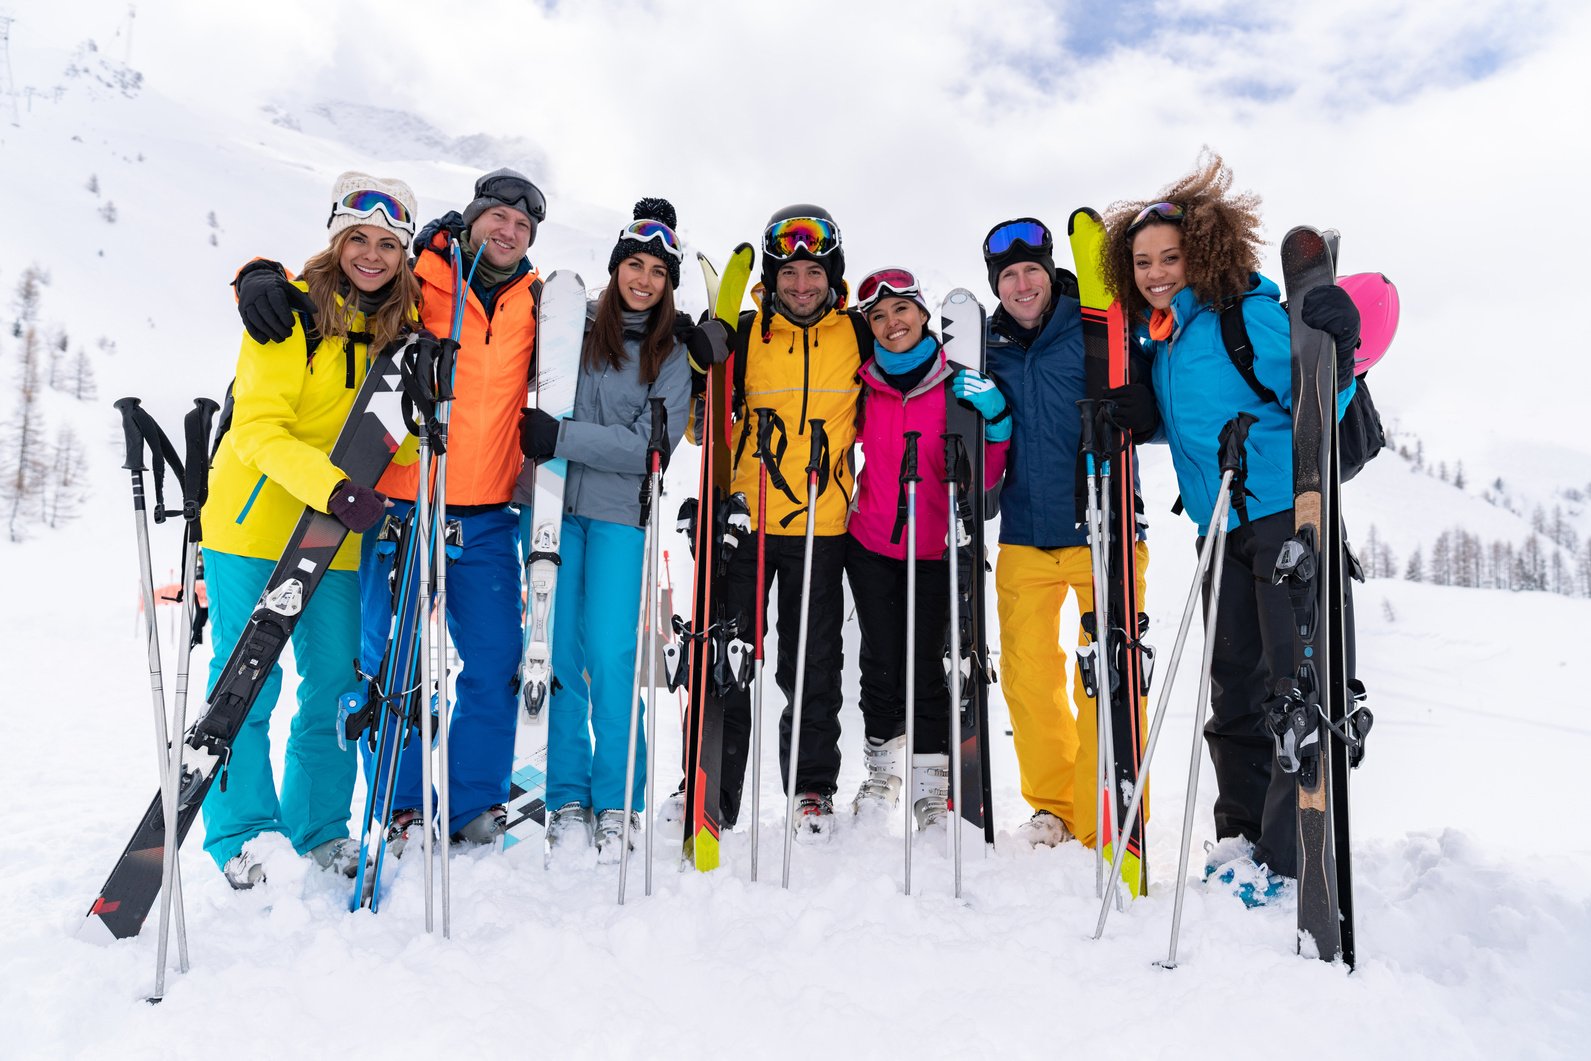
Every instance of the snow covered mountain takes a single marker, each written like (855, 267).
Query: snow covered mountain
(1472, 858)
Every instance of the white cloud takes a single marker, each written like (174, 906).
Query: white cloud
(920, 124)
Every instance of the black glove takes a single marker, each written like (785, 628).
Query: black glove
(709, 343)
(1329, 309)
(267, 302)
(538, 434)
(356, 507)
(451, 222)
(1133, 410)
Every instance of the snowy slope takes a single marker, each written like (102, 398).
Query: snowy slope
(1472, 857)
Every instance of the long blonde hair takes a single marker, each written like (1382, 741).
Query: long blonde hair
(323, 273)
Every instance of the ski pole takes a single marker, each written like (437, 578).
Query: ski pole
(425, 370)
(1097, 546)
(820, 445)
(766, 420)
(1106, 834)
(650, 486)
(447, 360)
(140, 429)
(1234, 473)
(1232, 436)
(955, 537)
(909, 478)
(195, 491)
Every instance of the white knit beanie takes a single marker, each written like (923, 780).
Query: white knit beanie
(353, 181)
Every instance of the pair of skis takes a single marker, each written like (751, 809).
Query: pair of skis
(1117, 665)
(370, 436)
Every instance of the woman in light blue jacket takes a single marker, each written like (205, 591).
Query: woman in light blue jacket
(1176, 263)
(631, 355)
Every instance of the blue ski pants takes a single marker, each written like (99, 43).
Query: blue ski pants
(593, 663)
(483, 617)
(318, 776)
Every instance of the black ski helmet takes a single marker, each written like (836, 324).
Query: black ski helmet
(833, 262)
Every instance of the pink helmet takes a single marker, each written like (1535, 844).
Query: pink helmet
(1377, 300)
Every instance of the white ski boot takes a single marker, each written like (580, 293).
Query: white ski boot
(671, 816)
(243, 871)
(930, 791)
(340, 855)
(880, 792)
(484, 829)
(568, 829)
(1043, 829)
(814, 820)
(610, 835)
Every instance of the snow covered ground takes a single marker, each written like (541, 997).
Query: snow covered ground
(1472, 857)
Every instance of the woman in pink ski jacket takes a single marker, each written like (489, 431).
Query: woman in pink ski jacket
(906, 386)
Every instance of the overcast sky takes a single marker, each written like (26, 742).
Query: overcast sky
(1443, 139)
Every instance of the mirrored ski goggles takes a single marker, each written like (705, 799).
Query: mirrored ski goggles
(645, 230)
(516, 192)
(366, 202)
(885, 283)
(1008, 234)
(813, 234)
(1165, 211)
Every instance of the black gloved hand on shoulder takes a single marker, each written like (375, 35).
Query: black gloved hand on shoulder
(451, 222)
(1330, 309)
(267, 302)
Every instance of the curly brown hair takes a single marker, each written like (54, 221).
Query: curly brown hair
(1220, 236)
(323, 273)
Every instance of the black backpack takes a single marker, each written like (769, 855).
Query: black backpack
(1359, 434)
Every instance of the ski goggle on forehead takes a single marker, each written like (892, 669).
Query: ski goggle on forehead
(885, 283)
(515, 192)
(1022, 230)
(655, 231)
(367, 202)
(1165, 211)
(817, 236)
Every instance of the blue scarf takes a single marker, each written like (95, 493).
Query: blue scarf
(892, 364)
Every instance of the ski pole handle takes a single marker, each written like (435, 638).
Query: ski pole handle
(129, 408)
(766, 418)
(955, 458)
(820, 446)
(1089, 410)
(908, 462)
(446, 360)
(1234, 442)
(657, 445)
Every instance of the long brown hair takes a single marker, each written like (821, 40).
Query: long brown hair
(323, 272)
(605, 344)
(1220, 236)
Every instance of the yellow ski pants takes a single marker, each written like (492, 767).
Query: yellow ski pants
(1056, 742)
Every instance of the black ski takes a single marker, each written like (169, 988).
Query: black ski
(962, 326)
(371, 435)
(1318, 734)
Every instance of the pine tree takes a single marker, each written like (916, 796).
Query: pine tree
(23, 453)
(82, 385)
(1458, 475)
(1415, 572)
(65, 487)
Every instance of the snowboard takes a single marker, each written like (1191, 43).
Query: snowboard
(560, 335)
(370, 436)
(961, 320)
(1120, 650)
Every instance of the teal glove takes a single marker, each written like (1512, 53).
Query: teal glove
(973, 388)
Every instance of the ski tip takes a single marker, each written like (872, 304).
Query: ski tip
(565, 276)
(1087, 213)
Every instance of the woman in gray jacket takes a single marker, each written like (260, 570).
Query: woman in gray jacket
(631, 355)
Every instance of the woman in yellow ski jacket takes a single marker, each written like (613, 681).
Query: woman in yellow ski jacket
(271, 463)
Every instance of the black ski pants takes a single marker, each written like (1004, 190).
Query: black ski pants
(818, 758)
(878, 587)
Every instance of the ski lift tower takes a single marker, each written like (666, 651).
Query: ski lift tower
(7, 89)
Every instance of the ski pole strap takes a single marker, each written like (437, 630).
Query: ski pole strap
(196, 428)
(419, 372)
(908, 474)
(1234, 459)
(141, 432)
